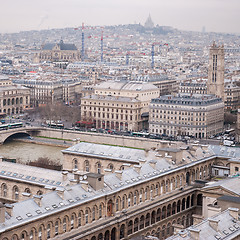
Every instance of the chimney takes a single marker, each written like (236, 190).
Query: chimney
(96, 180)
(84, 185)
(194, 233)
(119, 174)
(213, 223)
(64, 176)
(38, 199)
(73, 182)
(137, 168)
(9, 209)
(233, 212)
(2, 213)
(153, 163)
(60, 192)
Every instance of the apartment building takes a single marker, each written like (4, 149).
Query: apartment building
(194, 115)
(119, 105)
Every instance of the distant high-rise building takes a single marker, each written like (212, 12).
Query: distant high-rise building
(215, 84)
(149, 23)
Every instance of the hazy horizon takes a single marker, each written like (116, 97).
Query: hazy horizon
(192, 15)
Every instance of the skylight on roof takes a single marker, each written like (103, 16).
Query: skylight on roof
(19, 218)
(29, 214)
(38, 211)
(217, 237)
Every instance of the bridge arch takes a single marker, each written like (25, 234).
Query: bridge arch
(15, 135)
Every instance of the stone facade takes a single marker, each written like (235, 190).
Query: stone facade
(119, 105)
(199, 116)
(59, 52)
(14, 99)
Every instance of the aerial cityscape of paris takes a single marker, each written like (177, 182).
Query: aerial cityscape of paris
(120, 120)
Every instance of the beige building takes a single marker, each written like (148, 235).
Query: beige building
(58, 52)
(194, 115)
(14, 99)
(193, 87)
(232, 96)
(215, 83)
(140, 200)
(119, 105)
(50, 91)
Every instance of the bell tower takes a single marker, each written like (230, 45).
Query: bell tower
(215, 84)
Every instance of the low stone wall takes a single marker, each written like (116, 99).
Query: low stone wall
(135, 142)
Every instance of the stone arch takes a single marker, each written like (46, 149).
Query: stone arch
(174, 208)
(4, 190)
(199, 199)
(152, 191)
(80, 218)
(183, 204)
(153, 217)
(49, 230)
(73, 221)
(94, 212)
(15, 192)
(109, 208)
(142, 221)
(100, 209)
(122, 231)
(75, 163)
(23, 235)
(136, 223)
(168, 229)
(178, 206)
(107, 235)
(169, 210)
(32, 233)
(87, 166)
(173, 184)
(158, 217)
(164, 212)
(14, 237)
(98, 167)
(57, 226)
(130, 227)
(147, 220)
(177, 182)
(113, 233)
(188, 202)
(100, 236)
(167, 186)
(130, 199)
(87, 215)
(157, 189)
(163, 187)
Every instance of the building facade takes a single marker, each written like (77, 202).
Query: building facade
(215, 83)
(119, 105)
(14, 99)
(58, 52)
(194, 115)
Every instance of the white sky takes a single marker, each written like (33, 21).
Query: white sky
(215, 15)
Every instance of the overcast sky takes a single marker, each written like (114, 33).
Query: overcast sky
(215, 15)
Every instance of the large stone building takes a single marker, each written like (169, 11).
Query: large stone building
(14, 99)
(146, 199)
(50, 91)
(194, 115)
(58, 52)
(119, 105)
(215, 83)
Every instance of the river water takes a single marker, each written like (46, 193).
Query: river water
(24, 152)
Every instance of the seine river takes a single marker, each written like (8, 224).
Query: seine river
(24, 152)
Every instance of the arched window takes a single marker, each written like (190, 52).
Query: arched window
(100, 210)
(31, 235)
(21, 100)
(27, 190)
(140, 196)
(135, 198)
(39, 192)
(110, 166)
(123, 202)
(64, 224)
(72, 221)
(87, 168)
(117, 204)
(15, 193)
(79, 219)
(56, 228)
(86, 216)
(40, 234)
(4, 190)
(99, 168)
(75, 164)
(48, 231)
(93, 213)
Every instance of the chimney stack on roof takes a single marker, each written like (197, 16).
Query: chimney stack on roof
(38, 199)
